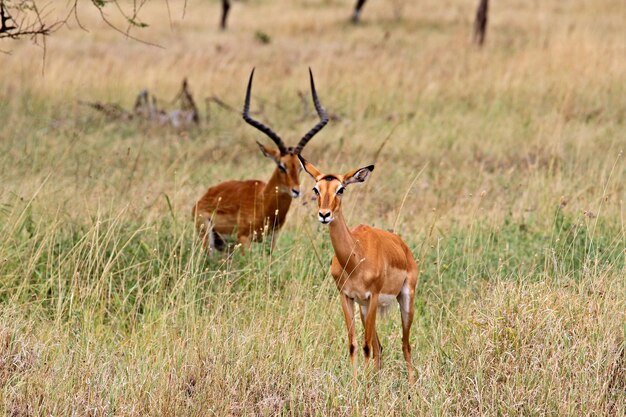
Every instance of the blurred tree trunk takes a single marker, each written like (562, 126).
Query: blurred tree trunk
(480, 24)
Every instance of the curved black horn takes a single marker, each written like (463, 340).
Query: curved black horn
(269, 132)
(320, 112)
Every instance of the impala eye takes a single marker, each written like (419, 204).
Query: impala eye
(316, 191)
(340, 191)
(282, 168)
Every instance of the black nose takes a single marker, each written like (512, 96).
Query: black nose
(323, 216)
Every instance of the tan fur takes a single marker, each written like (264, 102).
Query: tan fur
(252, 208)
(368, 262)
(248, 207)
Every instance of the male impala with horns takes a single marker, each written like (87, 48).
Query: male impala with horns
(251, 208)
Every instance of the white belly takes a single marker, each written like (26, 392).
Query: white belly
(384, 300)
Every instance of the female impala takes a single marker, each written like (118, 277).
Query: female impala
(248, 207)
(371, 266)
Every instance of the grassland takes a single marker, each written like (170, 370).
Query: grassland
(502, 168)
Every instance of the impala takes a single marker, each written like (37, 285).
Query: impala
(226, 8)
(371, 266)
(250, 208)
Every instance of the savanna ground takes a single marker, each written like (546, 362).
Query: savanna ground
(502, 168)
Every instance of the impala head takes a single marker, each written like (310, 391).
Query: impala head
(286, 158)
(330, 188)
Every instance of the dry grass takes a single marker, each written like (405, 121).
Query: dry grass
(107, 305)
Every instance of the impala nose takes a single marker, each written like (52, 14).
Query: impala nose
(295, 193)
(324, 216)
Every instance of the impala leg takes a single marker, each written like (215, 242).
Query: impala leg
(371, 339)
(218, 242)
(357, 11)
(225, 9)
(203, 227)
(244, 241)
(405, 299)
(378, 349)
(347, 305)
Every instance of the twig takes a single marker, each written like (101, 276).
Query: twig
(310, 238)
(384, 142)
(219, 102)
(127, 34)
(406, 194)
(114, 111)
(188, 103)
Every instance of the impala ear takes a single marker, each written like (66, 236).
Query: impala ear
(309, 168)
(357, 175)
(273, 154)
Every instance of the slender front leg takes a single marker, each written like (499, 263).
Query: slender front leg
(244, 241)
(347, 305)
(370, 331)
(378, 349)
(203, 227)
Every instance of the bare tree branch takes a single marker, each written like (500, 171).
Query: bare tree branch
(146, 109)
(28, 19)
(125, 33)
(23, 19)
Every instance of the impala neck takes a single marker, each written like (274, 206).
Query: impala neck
(276, 197)
(344, 244)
